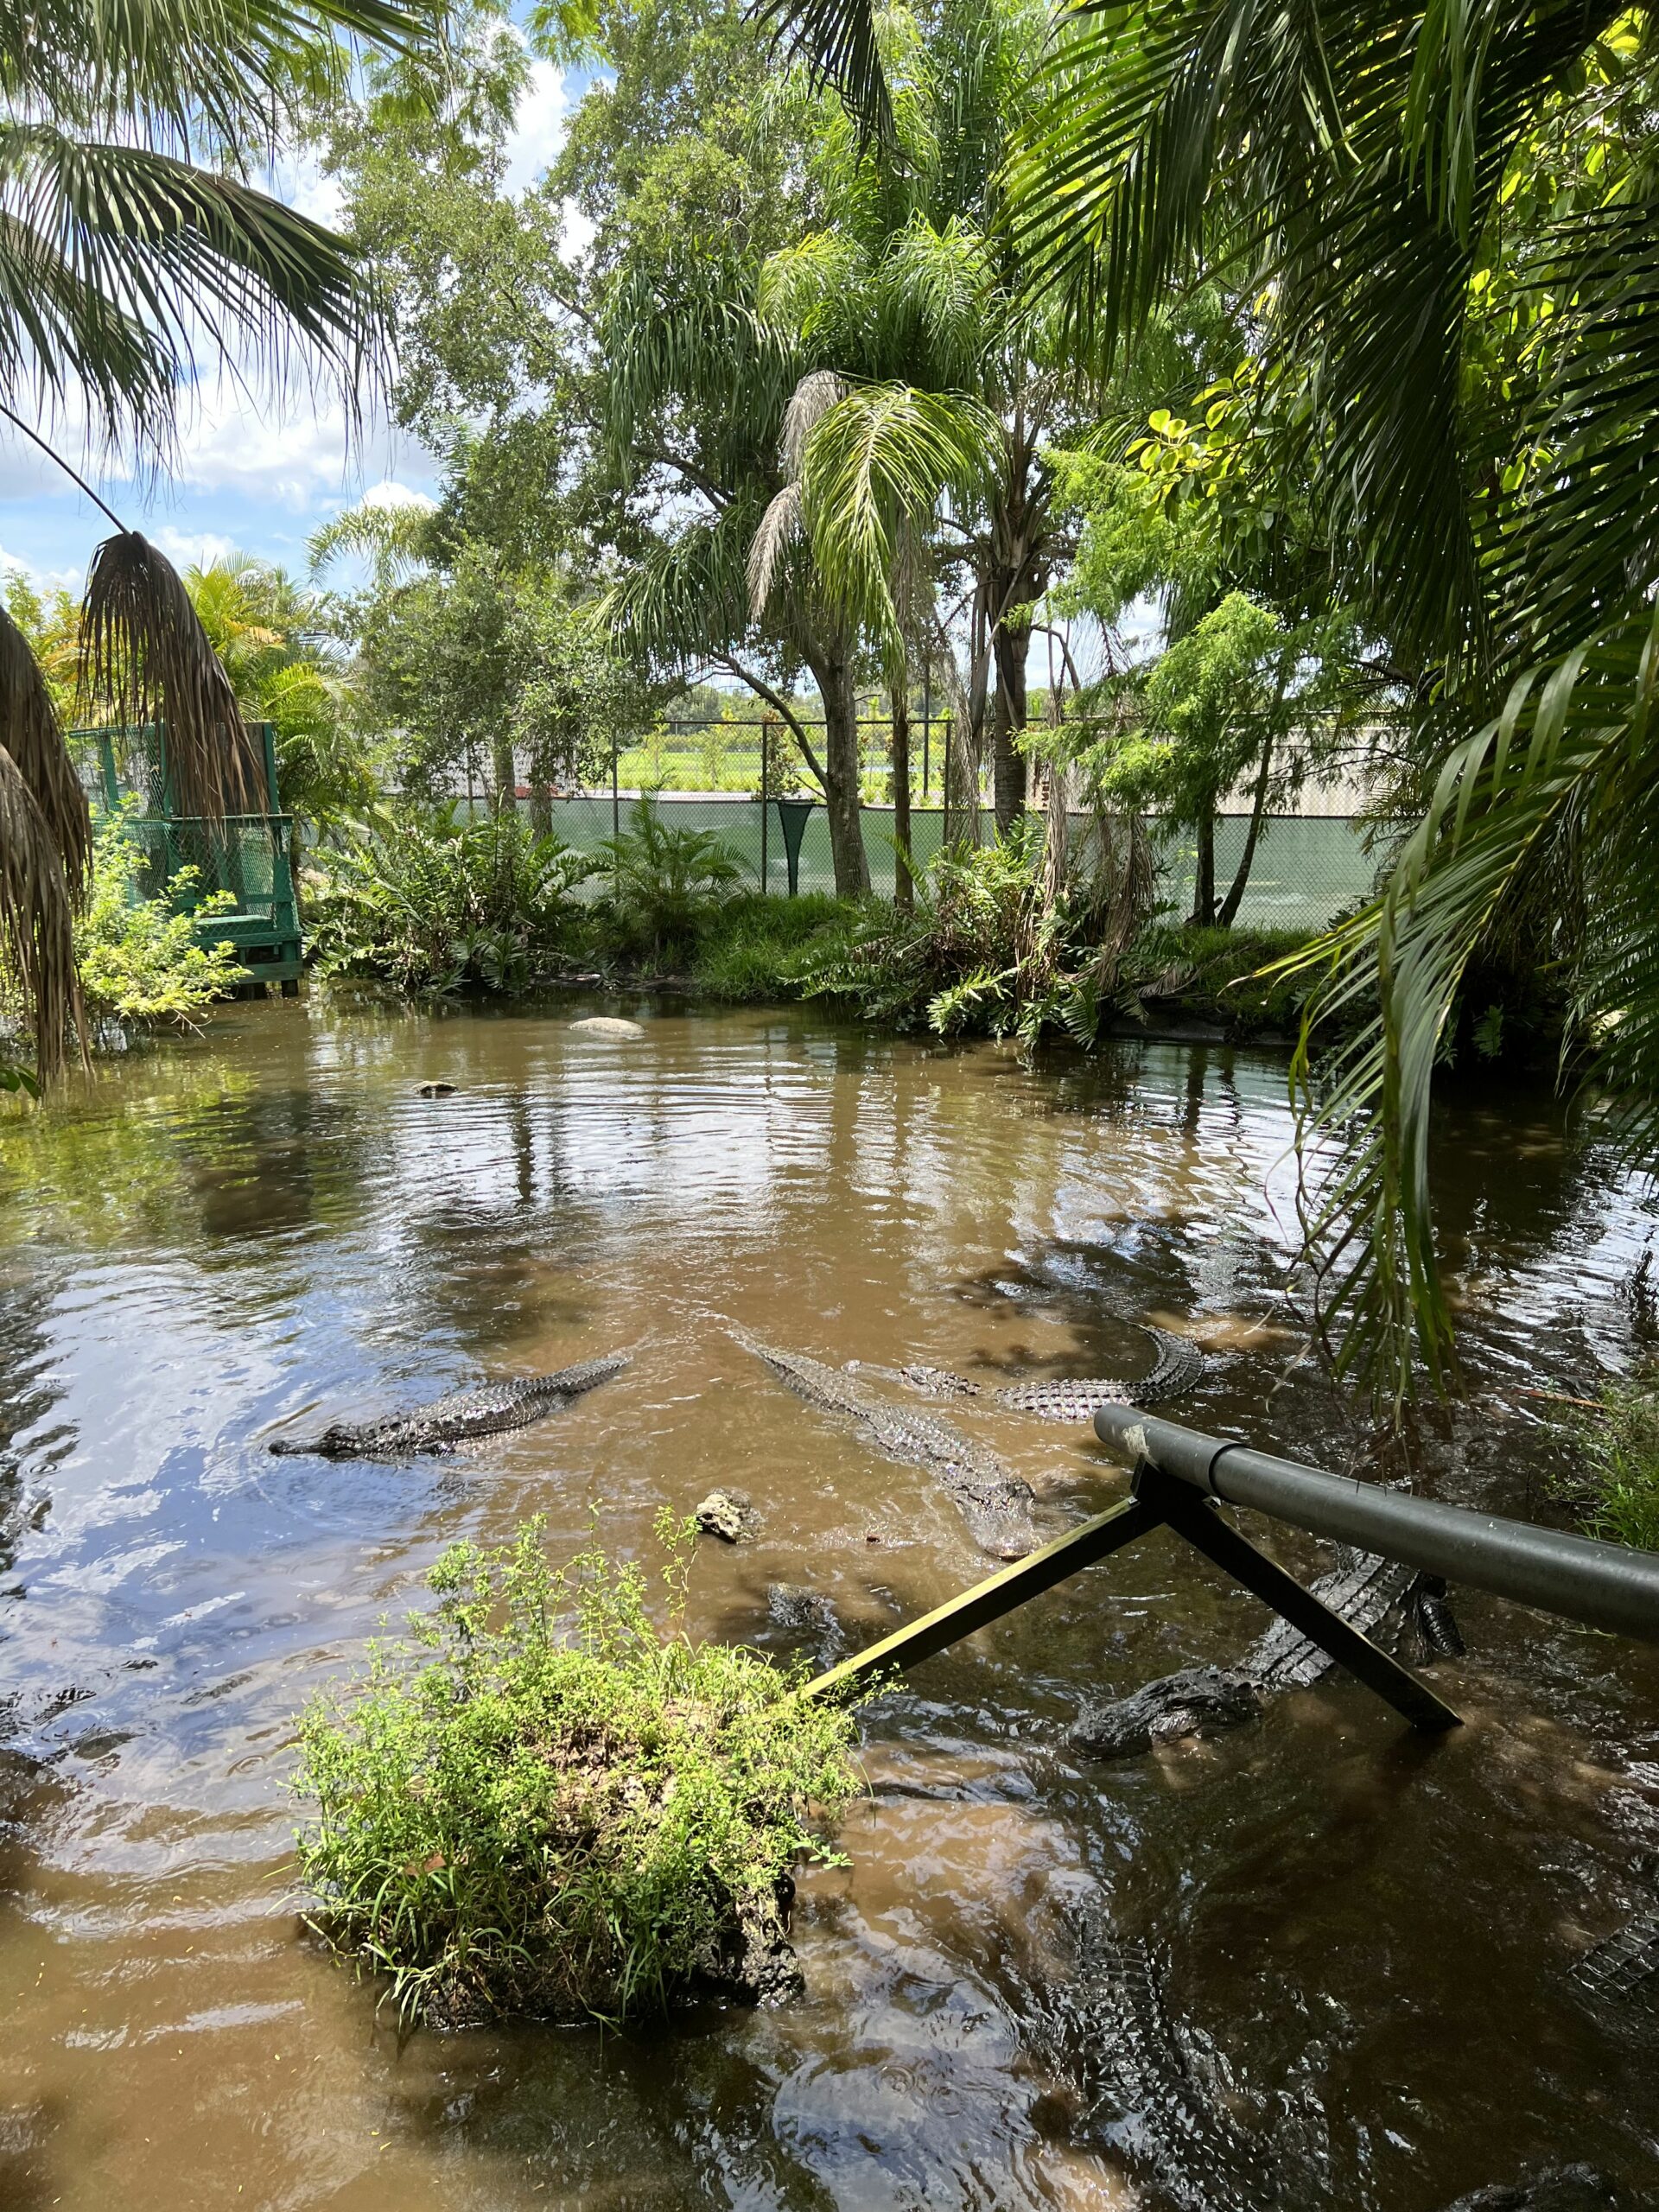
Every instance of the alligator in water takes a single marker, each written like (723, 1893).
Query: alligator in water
(463, 1415)
(1143, 2100)
(1196, 1701)
(996, 1502)
(1177, 1368)
(1200, 1700)
(1553, 2189)
(1625, 1965)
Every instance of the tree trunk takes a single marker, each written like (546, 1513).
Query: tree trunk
(1007, 723)
(833, 672)
(1229, 912)
(505, 774)
(540, 792)
(904, 879)
(1204, 889)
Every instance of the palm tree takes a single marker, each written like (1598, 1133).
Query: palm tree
(1371, 174)
(135, 244)
(1373, 179)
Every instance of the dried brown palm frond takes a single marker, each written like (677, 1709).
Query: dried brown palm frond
(29, 731)
(148, 660)
(780, 526)
(37, 947)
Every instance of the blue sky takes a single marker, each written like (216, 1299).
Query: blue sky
(254, 473)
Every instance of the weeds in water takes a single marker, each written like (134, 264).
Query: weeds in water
(1613, 1482)
(542, 1803)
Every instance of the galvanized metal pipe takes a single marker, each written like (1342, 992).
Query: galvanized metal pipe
(1604, 1586)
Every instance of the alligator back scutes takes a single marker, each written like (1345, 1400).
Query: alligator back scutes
(997, 1503)
(1626, 1964)
(1178, 1366)
(460, 1416)
(1141, 2097)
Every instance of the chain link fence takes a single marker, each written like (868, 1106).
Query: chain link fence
(1306, 869)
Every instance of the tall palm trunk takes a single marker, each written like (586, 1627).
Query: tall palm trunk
(1204, 887)
(832, 671)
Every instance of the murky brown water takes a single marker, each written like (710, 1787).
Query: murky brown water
(1366, 1941)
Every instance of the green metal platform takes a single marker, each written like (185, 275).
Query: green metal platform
(245, 854)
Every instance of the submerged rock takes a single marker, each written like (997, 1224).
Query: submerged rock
(435, 1091)
(1552, 2188)
(1196, 1701)
(608, 1025)
(726, 1514)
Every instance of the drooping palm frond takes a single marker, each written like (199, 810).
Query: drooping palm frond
(148, 661)
(838, 39)
(131, 241)
(779, 529)
(882, 454)
(1575, 752)
(396, 540)
(37, 951)
(30, 732)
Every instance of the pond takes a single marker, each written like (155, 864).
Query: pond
(1365, 1940)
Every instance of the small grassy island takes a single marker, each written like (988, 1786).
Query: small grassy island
(544, 1804)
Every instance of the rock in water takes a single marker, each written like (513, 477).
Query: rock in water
(436, 1090)
(608, 1025)
(726, 1514)
(1551, 2188)
(1196, 1701)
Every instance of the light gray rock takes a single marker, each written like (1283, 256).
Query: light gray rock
(608, 1025)
(728, 1515)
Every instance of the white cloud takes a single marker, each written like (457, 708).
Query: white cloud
(390, 494)
(539, 127)
(187, 548)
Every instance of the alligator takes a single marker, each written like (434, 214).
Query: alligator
(1143, 2100)
(1198, 1700)
(1625, 1965)
(996, 1502)
(459, 1418)
(1178, 1366)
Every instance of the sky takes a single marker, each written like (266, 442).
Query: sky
(253, 474)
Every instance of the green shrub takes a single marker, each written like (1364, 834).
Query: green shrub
(1613, 1483)
(431, 902)
(665, 881)
(137, 958)
(545, 1805)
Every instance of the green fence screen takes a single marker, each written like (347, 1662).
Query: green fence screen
(1306, 869)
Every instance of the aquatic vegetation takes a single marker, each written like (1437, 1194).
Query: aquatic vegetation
(544, 1804)
(1613, 1481)
(138, 959)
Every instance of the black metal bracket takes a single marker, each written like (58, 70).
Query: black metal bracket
(1156, 1500)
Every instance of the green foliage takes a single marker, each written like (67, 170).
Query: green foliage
(543, 1804)
(755, 947)
(137, 958)
(1613, 1483)
(431, 902)
(665, 880)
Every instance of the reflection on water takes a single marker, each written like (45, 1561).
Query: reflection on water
(1364, 1943)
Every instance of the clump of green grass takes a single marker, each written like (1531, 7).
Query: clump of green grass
(545, 1804)
(753, 949)
(1613, 1483)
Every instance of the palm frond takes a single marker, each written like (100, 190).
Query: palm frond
(29, 732)
(838, 40)
(780, 526)
(882, 453)
(148, 661)
(1573, 750)
(37, 949)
